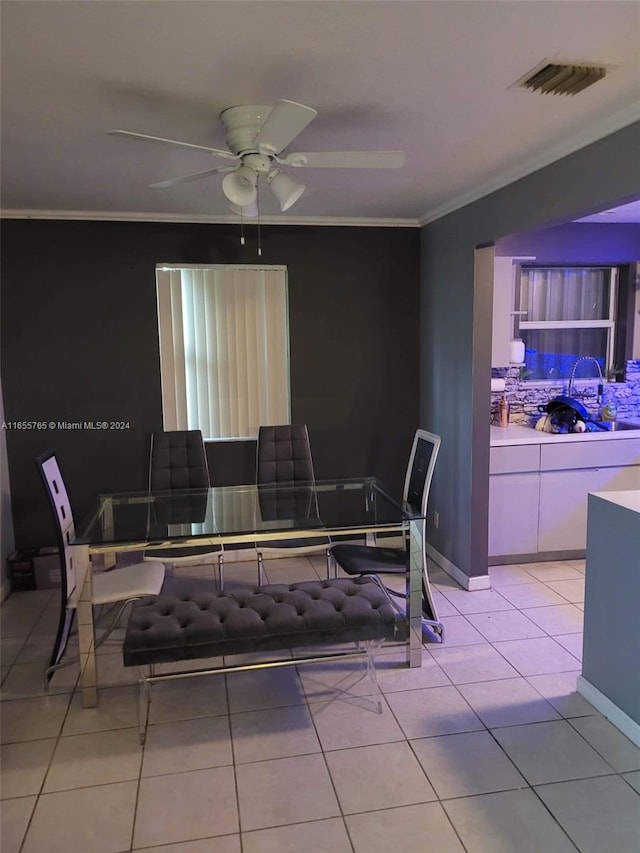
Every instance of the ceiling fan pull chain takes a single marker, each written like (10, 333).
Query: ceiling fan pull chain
(241, 228)
(258, 204)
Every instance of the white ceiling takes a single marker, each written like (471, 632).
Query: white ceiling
(432, 78)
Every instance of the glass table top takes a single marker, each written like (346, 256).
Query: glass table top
(228, 512)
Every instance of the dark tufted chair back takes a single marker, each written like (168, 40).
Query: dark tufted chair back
(284, 454)
(178, 461)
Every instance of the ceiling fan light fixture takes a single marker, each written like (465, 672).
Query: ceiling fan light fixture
(248, 210)
(284, 188)
(240, 186)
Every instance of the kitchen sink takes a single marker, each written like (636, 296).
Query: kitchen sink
(605, 426)
(616, 426)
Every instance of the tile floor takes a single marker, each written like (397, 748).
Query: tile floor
(487, 748)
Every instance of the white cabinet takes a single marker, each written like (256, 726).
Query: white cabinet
(538, 493)
(563, 502)
(514, 492)
(513, 513)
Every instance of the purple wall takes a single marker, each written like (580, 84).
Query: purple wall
(576, 242)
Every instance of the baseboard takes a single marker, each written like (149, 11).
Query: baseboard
(471, 584)
(609, 709)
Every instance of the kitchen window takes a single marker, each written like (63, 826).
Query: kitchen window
(224, 348)
(563, 314)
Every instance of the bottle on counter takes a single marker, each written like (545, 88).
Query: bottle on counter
(503, 412)
(609, 405)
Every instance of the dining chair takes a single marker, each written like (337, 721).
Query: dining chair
(283, 458)
(378, 560)
(178, 465)
(118, 586)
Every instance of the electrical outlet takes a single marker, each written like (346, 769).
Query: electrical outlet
(436, 519)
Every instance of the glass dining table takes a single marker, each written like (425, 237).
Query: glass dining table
(236, 517)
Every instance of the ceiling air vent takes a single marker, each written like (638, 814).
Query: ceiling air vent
(561, 78)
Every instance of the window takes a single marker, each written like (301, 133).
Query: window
(562, 314)
(224, 348)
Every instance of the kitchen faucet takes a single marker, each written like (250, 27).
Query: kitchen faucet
(573, 374)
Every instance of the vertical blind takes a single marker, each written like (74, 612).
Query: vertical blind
(224, 348)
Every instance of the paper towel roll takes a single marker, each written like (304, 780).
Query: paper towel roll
(497, 384)
(516, 352)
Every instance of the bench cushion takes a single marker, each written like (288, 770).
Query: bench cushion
(197, 624)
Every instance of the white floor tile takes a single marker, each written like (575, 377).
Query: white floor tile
(33, 719)
(342, 724)
(465, 764)
(505, 823)
(459, 631)
(572, 590)
(82, 761)
(378, 777)
(273, 733)
(410, 829)
(472, 663)
(556, 619)
(572, 643)
(253, 691)
(507, 575)
(534, 594)
(184, 745)
(321, 681)
(510, 702)
(432, 712)
(537, 656)
(633, 779)
(222, 844)
(10, 649)
(26, 680)
(24, 766)
(186, 806)
(117, 709)
(14, 819)
(320, 836)
(552, 571)
(394, 675)
(97, 819)
(480, 601)
(559, 689)
(204, 696)
(504, 625)
(302, 792)
(597, 814)
(550, 752)
(605, 738)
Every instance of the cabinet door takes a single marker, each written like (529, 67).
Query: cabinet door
(513, 514)
(563, 503)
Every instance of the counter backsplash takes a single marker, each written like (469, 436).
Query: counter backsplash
(524, 398)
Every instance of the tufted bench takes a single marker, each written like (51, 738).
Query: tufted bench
(200, 624)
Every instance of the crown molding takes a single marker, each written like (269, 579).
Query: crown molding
(131, 216)
(595, 132)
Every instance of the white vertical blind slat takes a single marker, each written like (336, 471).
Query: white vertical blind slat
(224, 349)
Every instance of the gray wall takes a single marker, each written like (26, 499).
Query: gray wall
(455, 319)
(80, 343)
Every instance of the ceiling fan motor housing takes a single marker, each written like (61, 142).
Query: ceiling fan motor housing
(242, 124)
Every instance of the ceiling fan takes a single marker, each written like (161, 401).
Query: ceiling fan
(257, 137)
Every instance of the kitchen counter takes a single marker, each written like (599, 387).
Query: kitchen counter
(514, 434)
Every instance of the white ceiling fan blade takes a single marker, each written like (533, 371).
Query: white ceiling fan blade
(285, 121)
(194, 176)
(128, 134)
(346, 159)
